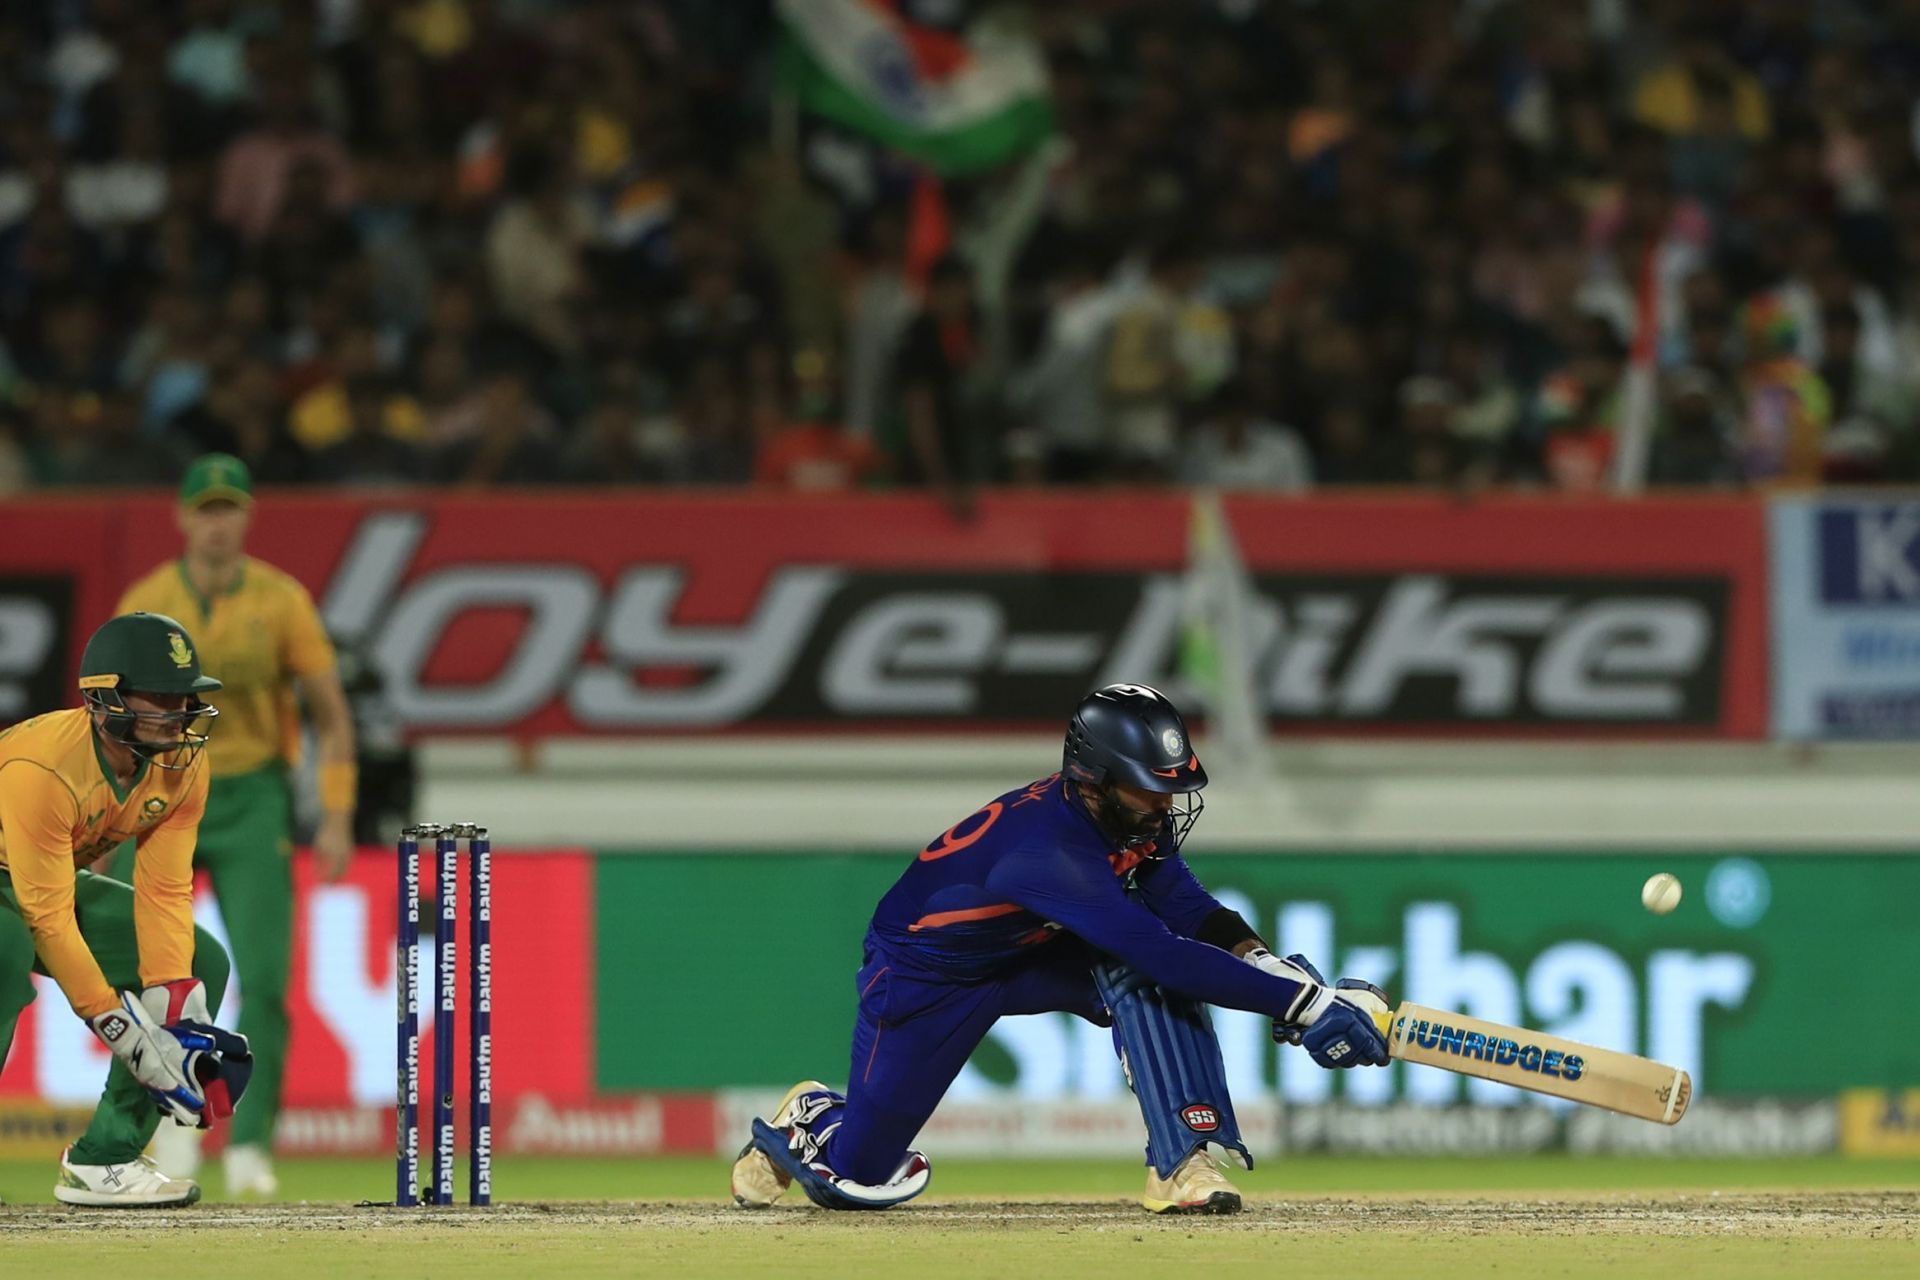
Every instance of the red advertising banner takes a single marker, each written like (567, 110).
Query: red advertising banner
(534, 614)
(341, 995)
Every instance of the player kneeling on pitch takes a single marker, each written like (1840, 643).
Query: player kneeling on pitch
(1069, 894)
(73, 785)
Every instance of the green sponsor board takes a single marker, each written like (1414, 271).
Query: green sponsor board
(729, 969)
(1778, 973)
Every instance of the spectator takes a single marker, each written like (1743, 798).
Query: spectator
(128, 189)
(1351, 452)
(309, 243)
(941, 377)
(534, 256)
(1577, 453)
(368, 456)
(880, 307)
(243, 414)
(1059, 394)
(321, 414)
(73, 352)
(1785, 406)
(1695, 442)
(255, 170)
(607, 450)
(811, 450)
(429, 190)
(444, 376)
(717, 445)
(1236, 449)
(514, 442)
(211, 57)
(1671, 96)
(1163, 347)
(1486, 405)
(1435, 455)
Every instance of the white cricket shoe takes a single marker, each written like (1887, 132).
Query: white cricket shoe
(176, 1150)
(133, 1185)
(249, 1170)
(1197, 1186)
(757, 1181)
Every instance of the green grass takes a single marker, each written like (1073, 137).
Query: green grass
(1047, 1244)
(676, 1178)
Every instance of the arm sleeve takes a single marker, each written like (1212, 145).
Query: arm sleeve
(1172, 892)
(307, 651)
(37, 812)
(1088, 901)
(163, 887)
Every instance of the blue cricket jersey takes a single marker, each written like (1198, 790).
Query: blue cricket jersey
(989, 894)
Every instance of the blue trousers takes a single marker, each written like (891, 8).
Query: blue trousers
(911, 1037)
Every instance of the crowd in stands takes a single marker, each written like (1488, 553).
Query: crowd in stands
(1277, 245)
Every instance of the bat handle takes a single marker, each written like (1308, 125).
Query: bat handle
(1385, 1021)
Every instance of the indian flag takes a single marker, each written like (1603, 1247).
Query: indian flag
(959, 104)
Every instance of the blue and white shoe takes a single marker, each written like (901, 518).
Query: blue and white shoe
(758, 1183)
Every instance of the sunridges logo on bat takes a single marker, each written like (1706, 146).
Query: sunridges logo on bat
(1500, 1052)
(1200, 1117)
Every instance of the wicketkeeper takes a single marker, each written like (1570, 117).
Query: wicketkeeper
(74, 784)
(1069, 894)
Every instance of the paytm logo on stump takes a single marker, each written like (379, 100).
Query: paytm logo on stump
(1870, 554)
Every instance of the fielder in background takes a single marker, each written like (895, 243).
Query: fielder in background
(1069, 894)
(264, 640)
(74, 784)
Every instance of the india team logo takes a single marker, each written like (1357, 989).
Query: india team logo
(1171, 741)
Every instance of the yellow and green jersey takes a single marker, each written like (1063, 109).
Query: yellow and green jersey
(256, 638)
(61, 808)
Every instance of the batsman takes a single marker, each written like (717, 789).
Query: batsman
(1069, 894)
(74, 784)
(264, 640)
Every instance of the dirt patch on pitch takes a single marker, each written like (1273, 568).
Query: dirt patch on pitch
(1803, 1215)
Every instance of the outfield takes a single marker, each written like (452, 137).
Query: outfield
(1440, 1218)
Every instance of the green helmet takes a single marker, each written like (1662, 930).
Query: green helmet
(146, 653)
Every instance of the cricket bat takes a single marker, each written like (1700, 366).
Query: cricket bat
(1537, 1062)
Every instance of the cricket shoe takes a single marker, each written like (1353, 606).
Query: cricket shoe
(249, 1171)
(137, 1184)
(757, 1181)
(1197, 1186)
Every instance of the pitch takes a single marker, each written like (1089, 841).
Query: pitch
(1436, 1218)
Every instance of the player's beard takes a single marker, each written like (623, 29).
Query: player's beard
(1129, 827)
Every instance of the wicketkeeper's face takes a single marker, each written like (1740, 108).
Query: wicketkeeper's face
(160, 718)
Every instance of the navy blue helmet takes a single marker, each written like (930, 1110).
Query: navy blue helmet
(1131, 734)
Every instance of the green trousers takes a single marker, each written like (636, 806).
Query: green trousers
(126, 1117)
(246, 847)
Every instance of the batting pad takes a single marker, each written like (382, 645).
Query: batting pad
(1172, 1059)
